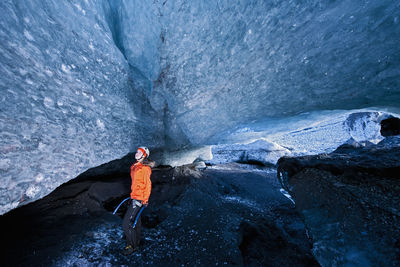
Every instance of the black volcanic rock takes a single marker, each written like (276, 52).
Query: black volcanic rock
(268, 243)
(235, 217)
(350, 202)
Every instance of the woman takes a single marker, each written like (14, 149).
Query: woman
(140, 193)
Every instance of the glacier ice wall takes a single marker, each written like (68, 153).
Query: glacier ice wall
(226, 63)
(69, 98)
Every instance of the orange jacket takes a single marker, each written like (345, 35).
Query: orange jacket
(141, 183)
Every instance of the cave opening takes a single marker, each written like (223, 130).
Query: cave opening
(390, 126)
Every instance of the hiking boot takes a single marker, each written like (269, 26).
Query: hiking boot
(129, 250)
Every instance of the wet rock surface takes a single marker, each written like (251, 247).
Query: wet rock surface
(350, 201)
(230, 215)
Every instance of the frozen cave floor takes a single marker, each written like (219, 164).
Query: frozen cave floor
(229, 215)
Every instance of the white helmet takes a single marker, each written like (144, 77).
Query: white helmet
(145, 151)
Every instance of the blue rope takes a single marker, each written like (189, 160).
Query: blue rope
(120, 204)
(137, 217)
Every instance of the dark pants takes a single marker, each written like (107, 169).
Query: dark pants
(132, 234)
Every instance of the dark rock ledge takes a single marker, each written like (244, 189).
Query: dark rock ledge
(230, 215)
(350, 202)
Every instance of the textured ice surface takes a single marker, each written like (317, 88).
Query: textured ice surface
(85, 81)
(226, 63)
(68, 100)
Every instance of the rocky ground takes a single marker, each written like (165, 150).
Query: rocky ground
(232, 215)
(350, 201)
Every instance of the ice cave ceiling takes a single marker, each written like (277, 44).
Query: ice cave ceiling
(84, 82)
